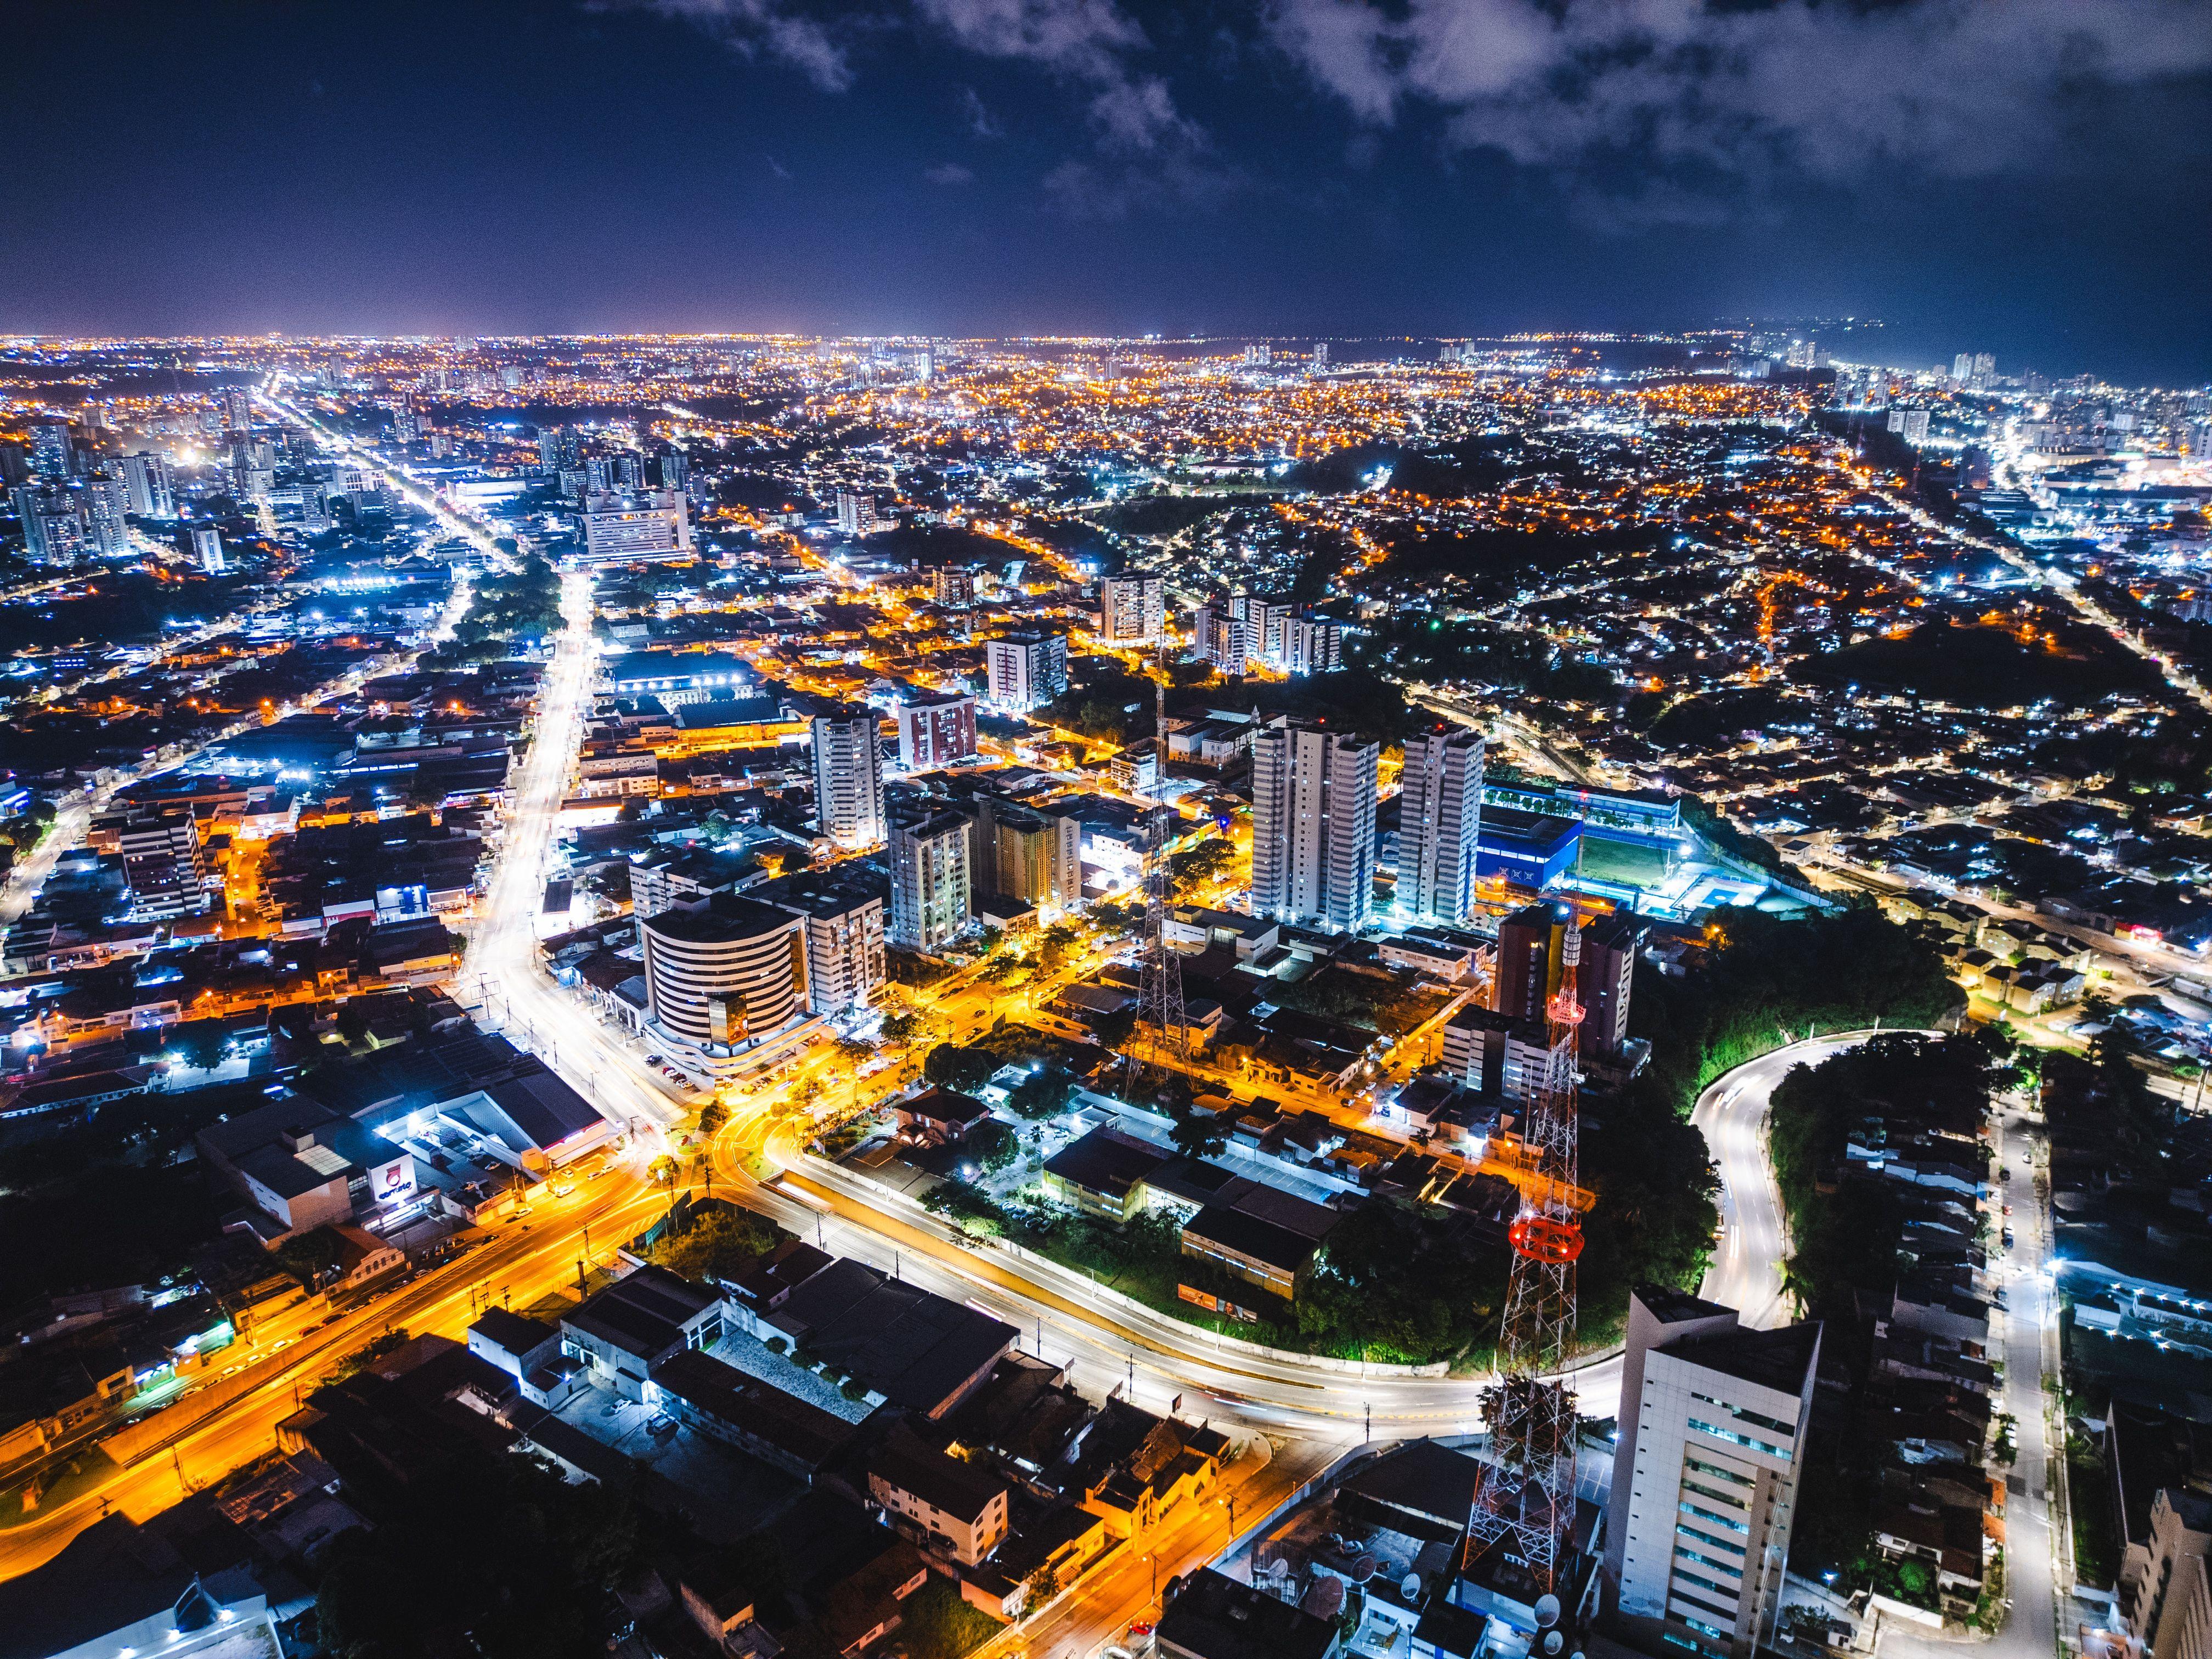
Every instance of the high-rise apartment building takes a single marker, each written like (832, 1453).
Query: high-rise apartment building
(1529, 954)
(1605, 977)
(1440, 825)
(1310, 645)
(163, 862)
(207, 549)
(107, 505)
(50, 448)
(152, 486)
(1223, 638)
(953, 587)
(1026, 670)
(1263, 615)
(1132, 609)
(856, 513)
(931, 896)
(844, 920)
(237, 409)
(848, 777)
(1313, 824)
(1018, 851)
(1713, 1420)
(939, 730)
(623, 527)
(724, 975)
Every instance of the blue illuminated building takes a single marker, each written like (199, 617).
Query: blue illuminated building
(1527, 849)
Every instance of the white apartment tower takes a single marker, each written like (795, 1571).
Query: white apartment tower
(1440, 824)
(931, 898)
(1313, 825)
(1026, 670)
(1132, 609)
(1713, 1419)
(152, 490)
(848, 777)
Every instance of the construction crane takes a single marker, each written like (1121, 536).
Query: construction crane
(1527, 1495)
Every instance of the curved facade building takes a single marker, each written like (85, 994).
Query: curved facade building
(726, 978)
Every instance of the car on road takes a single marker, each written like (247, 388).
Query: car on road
(2007, 1238)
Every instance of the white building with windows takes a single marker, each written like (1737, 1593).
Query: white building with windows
(620, 527)
(1314, 795)
(727, 981)
(1713, 1424)
(1132, 609)
(1026, 670)
(848, 777)
(1440, 825)
(932, 894)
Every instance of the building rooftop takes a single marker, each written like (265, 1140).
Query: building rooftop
(1774, 1359)
(723, 919)
(1216, 1617)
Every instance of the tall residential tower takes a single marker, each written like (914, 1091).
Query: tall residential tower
(1313, 825)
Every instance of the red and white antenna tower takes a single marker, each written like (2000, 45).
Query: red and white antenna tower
(1527, 1498)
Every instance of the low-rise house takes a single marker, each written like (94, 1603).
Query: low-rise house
(822, 1579)
(624, 1332)
(939, 1117)
(1102, 1173)
(1260, 1252)
(1135, 1467)
(363, 1258)
(956, 1508)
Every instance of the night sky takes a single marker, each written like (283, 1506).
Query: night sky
(2027, 177)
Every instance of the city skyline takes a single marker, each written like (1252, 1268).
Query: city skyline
(699, 165)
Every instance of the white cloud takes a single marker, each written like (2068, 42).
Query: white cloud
(949, 174)
(757, 28)
(1091, 43)
(1686, 92)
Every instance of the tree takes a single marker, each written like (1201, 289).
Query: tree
(1056, 944)
(661, 1172)
(353, 1020)
(1044, 1092)
(203, 1044)
(1199, 1135)
(951, 1066)
(993, 1143)
(902, 1025)
(712, 1116)
(1043, 1585)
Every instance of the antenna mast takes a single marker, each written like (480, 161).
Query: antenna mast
(1527, 1496)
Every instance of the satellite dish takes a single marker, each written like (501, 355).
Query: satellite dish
(1547, 1613)
(1554, 1642)
(1410, 1586)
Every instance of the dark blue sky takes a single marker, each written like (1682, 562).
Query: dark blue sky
(2027, 177)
